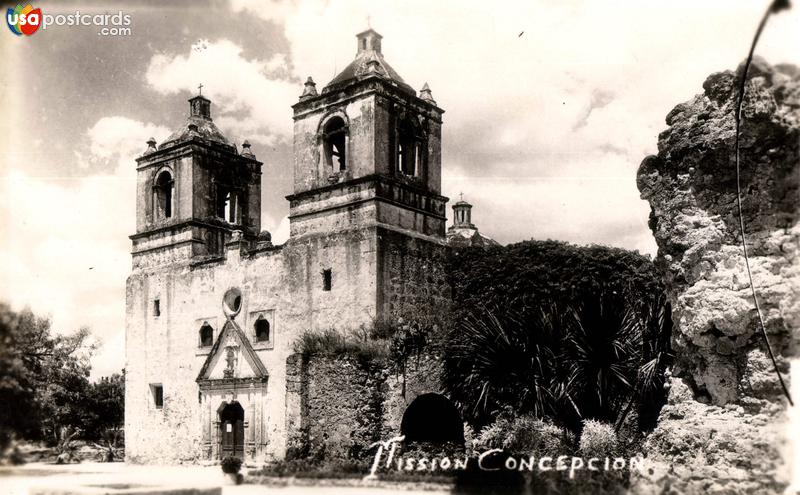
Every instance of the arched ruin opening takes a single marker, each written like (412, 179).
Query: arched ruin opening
(432, 418)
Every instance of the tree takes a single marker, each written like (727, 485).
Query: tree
(107, 402)
(17, 382)
(43, 376)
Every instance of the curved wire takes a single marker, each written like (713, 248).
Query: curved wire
(776, 6)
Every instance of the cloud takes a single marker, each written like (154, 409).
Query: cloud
(599, 99)
(543, 132)
(119, 137)
(66, 250)
(251, 98)
(582, 94)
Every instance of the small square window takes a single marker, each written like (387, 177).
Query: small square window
(157, 307)
(327, 279)
(158, 395)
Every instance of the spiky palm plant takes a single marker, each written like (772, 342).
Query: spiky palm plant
(66, 449)
(600, 354)
(495, 360)
(591, 359)
(110, 445)
(656, 357)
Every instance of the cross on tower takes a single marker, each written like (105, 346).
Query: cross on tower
(461, 196)
(200, 89)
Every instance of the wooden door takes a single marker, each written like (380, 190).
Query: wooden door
(233, 438)
(232, 434)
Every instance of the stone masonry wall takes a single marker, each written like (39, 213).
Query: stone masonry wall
(285, 283)
(338, 406)
(412, 275)
(722, 430)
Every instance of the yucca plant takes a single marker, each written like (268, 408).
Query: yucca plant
(495, 359)
(656, 357)
(600, 354)
(110, 445)
(591, 358)
(66, 448)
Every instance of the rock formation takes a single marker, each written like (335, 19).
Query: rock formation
(723, 426)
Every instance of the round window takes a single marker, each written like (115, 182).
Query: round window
(232, 302)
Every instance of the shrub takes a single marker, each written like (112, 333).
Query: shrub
(10, 453)
(598, 440)
(384, 341)
(231, 465)
(593, 358)
(524, 435)
(337, 344)
(306, 468)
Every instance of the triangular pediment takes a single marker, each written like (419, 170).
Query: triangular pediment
(232, 357)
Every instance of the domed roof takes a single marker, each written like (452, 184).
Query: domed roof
(466, 237)
(199, 124)
(463, 233)
(369, 62)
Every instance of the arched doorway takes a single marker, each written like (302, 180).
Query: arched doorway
(231, 423)
(432, 418)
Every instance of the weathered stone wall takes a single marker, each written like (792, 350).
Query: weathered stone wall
(338, 406)
(285, 283)
(341, 400)
(422, 374)
(412, 275)
(721, 430)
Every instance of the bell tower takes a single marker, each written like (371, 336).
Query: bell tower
(196, 193)
(367, 151)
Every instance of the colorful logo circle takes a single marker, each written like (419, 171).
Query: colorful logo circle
(23, 20)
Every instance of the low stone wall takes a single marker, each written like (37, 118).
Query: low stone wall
(338, 406)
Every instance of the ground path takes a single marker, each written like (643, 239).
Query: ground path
(17, 480)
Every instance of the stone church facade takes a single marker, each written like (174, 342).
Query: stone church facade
(213, 308)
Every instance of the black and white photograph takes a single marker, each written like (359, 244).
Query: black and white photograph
(255, 247)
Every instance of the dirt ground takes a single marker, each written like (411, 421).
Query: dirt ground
(17, 480)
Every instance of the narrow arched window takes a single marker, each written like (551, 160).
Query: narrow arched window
(262, 329)
(334, 136)
(206, 335)
(228, 205)
(164, 192)
(409, 149)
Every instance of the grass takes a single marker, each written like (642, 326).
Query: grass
(331, 343)
(304, 469)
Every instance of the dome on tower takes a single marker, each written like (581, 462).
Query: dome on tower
(463, 233)
(369, 62)
(198, 125)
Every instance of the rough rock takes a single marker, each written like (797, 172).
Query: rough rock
(721, 430)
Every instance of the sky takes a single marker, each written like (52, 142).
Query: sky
(550, 107)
